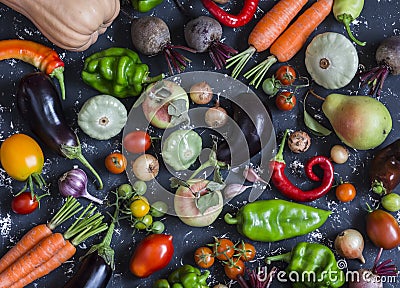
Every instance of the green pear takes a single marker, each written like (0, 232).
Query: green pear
(361, 122)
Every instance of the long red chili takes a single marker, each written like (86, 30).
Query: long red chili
(287, 188)
(230, 20)
(36, 54)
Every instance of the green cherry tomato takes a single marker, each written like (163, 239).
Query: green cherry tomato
(144, 222)
(125, 191)
(140, 187)
(158, 209)
(391, 202)
(271, 86)
(158, 227)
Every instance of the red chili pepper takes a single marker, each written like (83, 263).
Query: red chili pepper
(38, 55)
(287, 188)
(227, 19)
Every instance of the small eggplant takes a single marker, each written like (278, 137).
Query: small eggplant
(384, 170)
(97, 265)
(39, 104)
(252, 131)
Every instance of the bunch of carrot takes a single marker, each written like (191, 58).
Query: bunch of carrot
(41, 251)
(270, 33)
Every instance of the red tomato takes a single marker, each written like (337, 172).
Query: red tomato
(223, 248)
(153, 253)
(204, 257)
(246, 251)
(285, 101)
(115, 163)
(137, 142)
(285, 74)
(345, 192)
(234, 268)
(24, 203)
(383, 229)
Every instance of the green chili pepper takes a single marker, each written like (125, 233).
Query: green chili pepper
(274, 220)
(311, 265)
(346, 11)
(118, 72)
(145, 5)
(186, 276)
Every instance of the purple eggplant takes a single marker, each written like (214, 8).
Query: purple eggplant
(251, 130)
(39, 104)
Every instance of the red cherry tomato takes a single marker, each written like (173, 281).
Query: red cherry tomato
(24, 203)
(204, 257)
(285, 101)
(223, 248)
(137, 142)
(115, 163)
(285, 74)
(153, 253)
(246, 251)
(234, 268)
(383, 229)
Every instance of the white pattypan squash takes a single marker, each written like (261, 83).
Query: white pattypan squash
(331, 60)
(102, 117)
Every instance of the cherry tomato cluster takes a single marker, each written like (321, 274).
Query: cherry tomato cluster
(137, 208)
(283, 77)
(232, 255)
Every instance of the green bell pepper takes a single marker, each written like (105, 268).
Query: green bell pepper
(275, 220)
(186, 276)
(181, 149)
(346, 11)
(117, 71)
(145, 5)
(311, 265)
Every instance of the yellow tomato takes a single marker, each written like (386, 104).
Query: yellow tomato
(21, 157)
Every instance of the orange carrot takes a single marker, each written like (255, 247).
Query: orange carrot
(274, 23)
(292, 40)
(297, 34)
(35, 257)
(39, 232)
(62, 255)
(267, 30)
(30, 239)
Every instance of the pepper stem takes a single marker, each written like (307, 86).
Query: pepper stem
(229, 219)
(75, 152)
(279, 155)
(59, 74)
(346, 19)
(148, 80)
(286, 257)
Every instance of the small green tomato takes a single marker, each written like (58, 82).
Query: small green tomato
(391, 202)
(158, 227)
(140, 187)
(125, 191)
(158, 209)
(271, 86)
(144, 222)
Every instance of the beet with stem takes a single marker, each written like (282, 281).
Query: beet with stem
(151, 36)
(387, 56)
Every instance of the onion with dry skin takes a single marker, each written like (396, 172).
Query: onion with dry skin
(145, 167)
(350, 244)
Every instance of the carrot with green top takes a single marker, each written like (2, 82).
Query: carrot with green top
(39, 232)
(292, 40)
(39, 261)
(267, 30)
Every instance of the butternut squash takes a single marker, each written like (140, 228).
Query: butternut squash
(70, 24)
